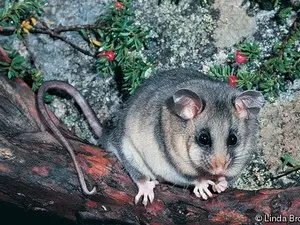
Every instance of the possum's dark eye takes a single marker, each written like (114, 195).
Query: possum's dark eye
(204, 139)
(232, 140)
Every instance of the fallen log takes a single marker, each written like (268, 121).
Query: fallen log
(37, 173)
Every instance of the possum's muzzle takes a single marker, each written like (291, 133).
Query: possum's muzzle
(219, 164)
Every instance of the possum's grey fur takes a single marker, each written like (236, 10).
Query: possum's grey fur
(180, 126)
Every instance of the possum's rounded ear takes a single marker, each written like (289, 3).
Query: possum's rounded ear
(187, 104)
(249, 102)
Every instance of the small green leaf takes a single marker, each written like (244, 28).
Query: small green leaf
(119, 56)
(12, 74)
(84, 34)
(102, 60)
(48, 98)
(4, 64)
(285, 13)
(19, 67)
(18, 60)
(138, 44)
(124, 34)
(6, 6)
(15, 19)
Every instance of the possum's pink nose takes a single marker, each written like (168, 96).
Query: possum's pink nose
(219, 164)
(219, 171)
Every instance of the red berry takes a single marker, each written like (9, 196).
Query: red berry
(240, 58)
(110, 55)
(119, 5)
(102, 54)
(232, 80)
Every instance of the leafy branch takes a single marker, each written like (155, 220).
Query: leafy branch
(268, 77)
(55, 33)
(114, 40)
(221, 72)
(251, 50)
(121, 46)
(17, 11)
(16, 66)
(288, 161)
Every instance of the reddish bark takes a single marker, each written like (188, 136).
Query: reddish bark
(3, 54)
(37, 173)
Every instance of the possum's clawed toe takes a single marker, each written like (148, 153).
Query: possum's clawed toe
(201, 189)
(146, 190)
(221, 185)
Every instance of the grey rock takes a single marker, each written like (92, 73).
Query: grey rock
(187, 35)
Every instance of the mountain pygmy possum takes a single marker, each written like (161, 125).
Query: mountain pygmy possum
(180, 126)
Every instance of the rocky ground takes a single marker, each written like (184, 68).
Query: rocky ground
(279, 134)
(184, 35)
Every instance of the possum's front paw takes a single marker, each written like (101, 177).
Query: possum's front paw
(221, 185)
(146, 189)
(201, 189)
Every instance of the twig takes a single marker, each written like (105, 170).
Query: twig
(288, 36)
(55, 33)
(78, 28)
(11, 30)
(284, 42)
(62, 38)
(6, 31)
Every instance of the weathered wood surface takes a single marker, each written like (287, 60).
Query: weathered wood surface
(37, 173)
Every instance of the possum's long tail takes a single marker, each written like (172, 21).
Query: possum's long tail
(87, 111)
